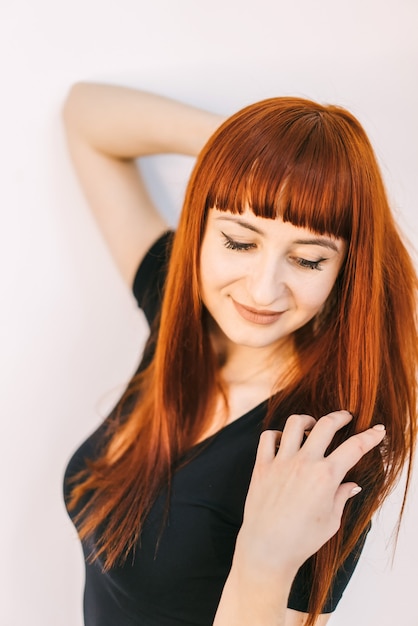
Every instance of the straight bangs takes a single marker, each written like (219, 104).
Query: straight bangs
(288, 158)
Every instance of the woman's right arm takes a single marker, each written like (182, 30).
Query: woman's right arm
(108, 127)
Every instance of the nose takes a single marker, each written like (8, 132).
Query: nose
(266, 284)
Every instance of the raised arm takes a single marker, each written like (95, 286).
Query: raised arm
(108, 128)
(294, 505)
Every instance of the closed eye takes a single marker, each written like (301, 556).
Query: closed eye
(310, 265)
(231, 244)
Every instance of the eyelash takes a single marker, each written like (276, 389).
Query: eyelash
(230, 244)
(310, 265)
(235, 245)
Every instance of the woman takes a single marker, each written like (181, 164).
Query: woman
(286, 292)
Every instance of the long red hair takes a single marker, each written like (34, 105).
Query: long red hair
(313, 166)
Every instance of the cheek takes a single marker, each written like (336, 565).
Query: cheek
(215, 281)
(211, 275)
(217, 270)
(315, 293)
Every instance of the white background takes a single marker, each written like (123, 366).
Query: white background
(70, 334)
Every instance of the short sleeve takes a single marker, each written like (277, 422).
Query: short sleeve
(149, 281)
(301, 588)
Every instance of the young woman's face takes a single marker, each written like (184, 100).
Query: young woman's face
(263, 279)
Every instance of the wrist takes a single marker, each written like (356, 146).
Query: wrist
(263, 565)
(253, 598)
(256, 591)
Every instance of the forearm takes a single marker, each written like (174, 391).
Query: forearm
(108, 127)
(248, 601)
(127, 123)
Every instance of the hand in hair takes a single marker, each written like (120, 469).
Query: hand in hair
(296, 497)
(294, 505)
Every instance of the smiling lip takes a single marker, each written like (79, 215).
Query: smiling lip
(255, 316)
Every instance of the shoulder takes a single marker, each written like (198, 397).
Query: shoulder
(149, 279)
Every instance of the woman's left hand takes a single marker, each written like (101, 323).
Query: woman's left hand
(296, 496)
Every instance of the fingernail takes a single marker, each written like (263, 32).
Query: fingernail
(355, 491)
(379, 427)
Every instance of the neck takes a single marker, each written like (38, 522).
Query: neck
(243, 364)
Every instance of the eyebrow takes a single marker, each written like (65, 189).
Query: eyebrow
(325, 242)
(318, 241)
(242, 223)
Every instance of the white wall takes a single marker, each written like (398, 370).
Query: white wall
(69, 333)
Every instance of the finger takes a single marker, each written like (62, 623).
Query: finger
(343, 494)
(324, 431)
(351, 451)
(267, 447)
(293, 434)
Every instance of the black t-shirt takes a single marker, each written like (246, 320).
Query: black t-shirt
(180, 583)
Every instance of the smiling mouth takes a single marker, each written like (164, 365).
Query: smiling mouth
(256, 316)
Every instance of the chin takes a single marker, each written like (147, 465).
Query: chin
(249, 339)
